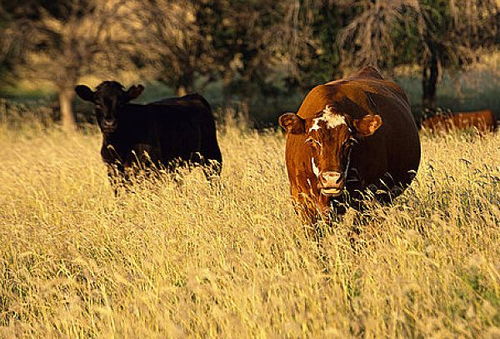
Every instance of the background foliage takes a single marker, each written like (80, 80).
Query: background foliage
(257, 56)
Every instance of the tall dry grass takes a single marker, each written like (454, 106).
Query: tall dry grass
(231, 259)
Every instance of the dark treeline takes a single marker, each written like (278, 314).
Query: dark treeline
(253, 49)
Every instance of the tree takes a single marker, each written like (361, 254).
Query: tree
(236, 41)
(257, 44)
(65, 41)
(321, 61)
(434, 34)
(168, 38)
(454, 35)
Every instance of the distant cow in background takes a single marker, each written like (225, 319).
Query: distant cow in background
(167, 133)
(349, 137)
(484, 121)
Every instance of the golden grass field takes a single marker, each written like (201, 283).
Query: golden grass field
(232, 259)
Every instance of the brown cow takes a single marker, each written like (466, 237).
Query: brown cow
(484, 121)
(350, 136)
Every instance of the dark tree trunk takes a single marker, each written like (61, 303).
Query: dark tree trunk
(185, 84)
(227, 95)
(430, 73)
(66, 107)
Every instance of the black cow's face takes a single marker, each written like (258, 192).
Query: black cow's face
(329, 137)
(108, 98)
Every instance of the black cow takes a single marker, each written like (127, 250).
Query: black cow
(167, 133)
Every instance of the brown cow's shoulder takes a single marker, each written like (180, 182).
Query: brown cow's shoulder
(368, 72)
(355, 96)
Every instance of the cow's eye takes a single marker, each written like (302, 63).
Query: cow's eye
(351, 141)
(313, 143)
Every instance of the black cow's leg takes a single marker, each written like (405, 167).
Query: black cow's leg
(212, 169)
(117, 178)
(142, 163)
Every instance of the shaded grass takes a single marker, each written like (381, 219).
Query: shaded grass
(231, 259)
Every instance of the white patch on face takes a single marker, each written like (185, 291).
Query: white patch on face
(315, 126)
(309, 183)
(314, 168)
(331, 118)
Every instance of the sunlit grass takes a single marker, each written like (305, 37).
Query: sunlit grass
(231, 258)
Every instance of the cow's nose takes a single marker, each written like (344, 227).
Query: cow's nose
(331, 179)
(108, 122)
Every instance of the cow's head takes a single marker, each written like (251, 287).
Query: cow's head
(329, 137)
(108, 97)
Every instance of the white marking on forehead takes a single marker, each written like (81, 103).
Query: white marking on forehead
(331, 118)
(314, 168)
(309, 182)
(315, 126)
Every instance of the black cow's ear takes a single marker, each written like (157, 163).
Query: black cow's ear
(134, 91)
(367, 125)
(85, 93)
(292, 123)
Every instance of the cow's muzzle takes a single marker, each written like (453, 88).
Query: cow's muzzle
(108, 126)
(331, 183)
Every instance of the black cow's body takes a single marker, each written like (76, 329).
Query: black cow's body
(161, 134)
(164, 134)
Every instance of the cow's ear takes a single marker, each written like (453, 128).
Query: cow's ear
(367, 125)
(292, 123)
(134, 91)
(85, 93)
